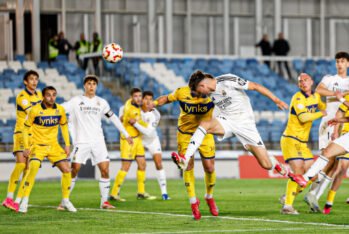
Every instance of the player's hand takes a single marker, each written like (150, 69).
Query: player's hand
(334, 135)
(129, 140)
(132, 121)
(26, 153)
(335, 121)
(281, 105)
(339, 95)
(67, 150)
(324, 113)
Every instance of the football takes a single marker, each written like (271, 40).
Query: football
(112, 53)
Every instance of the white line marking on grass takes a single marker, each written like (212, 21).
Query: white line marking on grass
(218, 217)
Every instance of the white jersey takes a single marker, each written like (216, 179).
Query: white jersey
(230, 97)
(86, 118)
(334, 83)
(152, 118)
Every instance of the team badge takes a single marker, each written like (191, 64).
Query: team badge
(25, 102)
(300, 106)
(224, 93)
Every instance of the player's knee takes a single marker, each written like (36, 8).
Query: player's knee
(209, 169)
(326, 153)
(105, 173)
(158, 166)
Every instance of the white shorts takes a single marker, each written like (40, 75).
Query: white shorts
(325, 133)
(245, 130)
(154, 146)
(343, 141)
(97, 152)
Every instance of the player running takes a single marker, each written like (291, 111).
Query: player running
(26, 99)
(330, 86)
(129, 153)
(150, 137)
(194, 108)
(235, 117)
(306, 106)
(43, 120)
(86, 112)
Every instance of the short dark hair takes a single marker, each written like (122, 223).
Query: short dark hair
(196, 78)
(342, 54)
(29, 73)
(135, 90)
(47, 88)
(147, 93)
(90, 77)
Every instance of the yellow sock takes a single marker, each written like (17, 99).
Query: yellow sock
(291, 191)
(141, 181)
(21, 185)
(34, 166)
(189, 181)
(330, 197)
(14, 178)
(210, 181)
(119, 180)
(300, 189)
(65, 184)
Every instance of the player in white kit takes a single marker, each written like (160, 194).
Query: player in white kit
(85, 122)
(330, 87)
(235, 116)
(150, 138)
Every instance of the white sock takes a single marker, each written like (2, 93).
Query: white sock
(104, 187)
(25, 200)
(274, 161)
(72, 185)
(10, 195)
(162, 181)
(317, 166)
(323, 186)
(64, 200)
(195, 142)
(18, 200)
(314, 186)
(192, 200)
(208, 196)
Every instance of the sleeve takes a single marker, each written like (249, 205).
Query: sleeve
(145, 130)
(106, 109)
(174, 95)
(24, 103)
(157, 117)
(297, 105)
(321, 104)
(326, 80)
(68, 106)
(27, 124)
(121, 111)
(235, 82)
(64, 119)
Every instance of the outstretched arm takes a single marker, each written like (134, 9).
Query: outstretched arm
(323, 91)
(162, 100)
(266, 92)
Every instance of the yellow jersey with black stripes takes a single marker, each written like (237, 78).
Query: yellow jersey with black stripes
(132, 111)
(302, 103)
(24, 101)
(44, 123)
(345, 109)
(193, 109)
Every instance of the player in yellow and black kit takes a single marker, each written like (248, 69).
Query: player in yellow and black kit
(194, 109)
(305, 107)
(27, 98)
(131, 152)
(43, 120)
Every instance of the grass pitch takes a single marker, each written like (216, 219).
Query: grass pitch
(245, 206)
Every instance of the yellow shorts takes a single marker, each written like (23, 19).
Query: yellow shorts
(293, 149)
(207, 149)
(54, 153)
(129, 152)
(18, 145)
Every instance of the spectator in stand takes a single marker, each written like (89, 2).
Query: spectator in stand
(82, 47)
(266, 48)
(281, 47)
(96, 46)
(63, 45)
(52, 48)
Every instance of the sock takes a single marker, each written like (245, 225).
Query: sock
(210, 181)
(330, 197)
(323, 186)
(25, 200)
(72, 185)
(274, 161)
(104, 187)
(119, 180)
(291, 191)
(162, 181)
(34, 166)
(14, 178)
(141, 181)
(65, 184)
(317, 166)
(195, 142)
(20, 192)
(300, 189)
(315, 186)
(189, 181)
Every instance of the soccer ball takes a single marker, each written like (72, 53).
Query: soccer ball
(112, 53)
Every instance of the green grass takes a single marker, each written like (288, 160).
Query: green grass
(245, 206)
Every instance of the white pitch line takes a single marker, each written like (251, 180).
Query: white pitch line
(217, 217)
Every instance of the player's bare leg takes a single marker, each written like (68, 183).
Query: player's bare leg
(104, 185)
(157, 157)
(64, 167)
(210, 181)
(119, 180)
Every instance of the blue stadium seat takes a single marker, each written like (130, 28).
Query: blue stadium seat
(20, 58)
